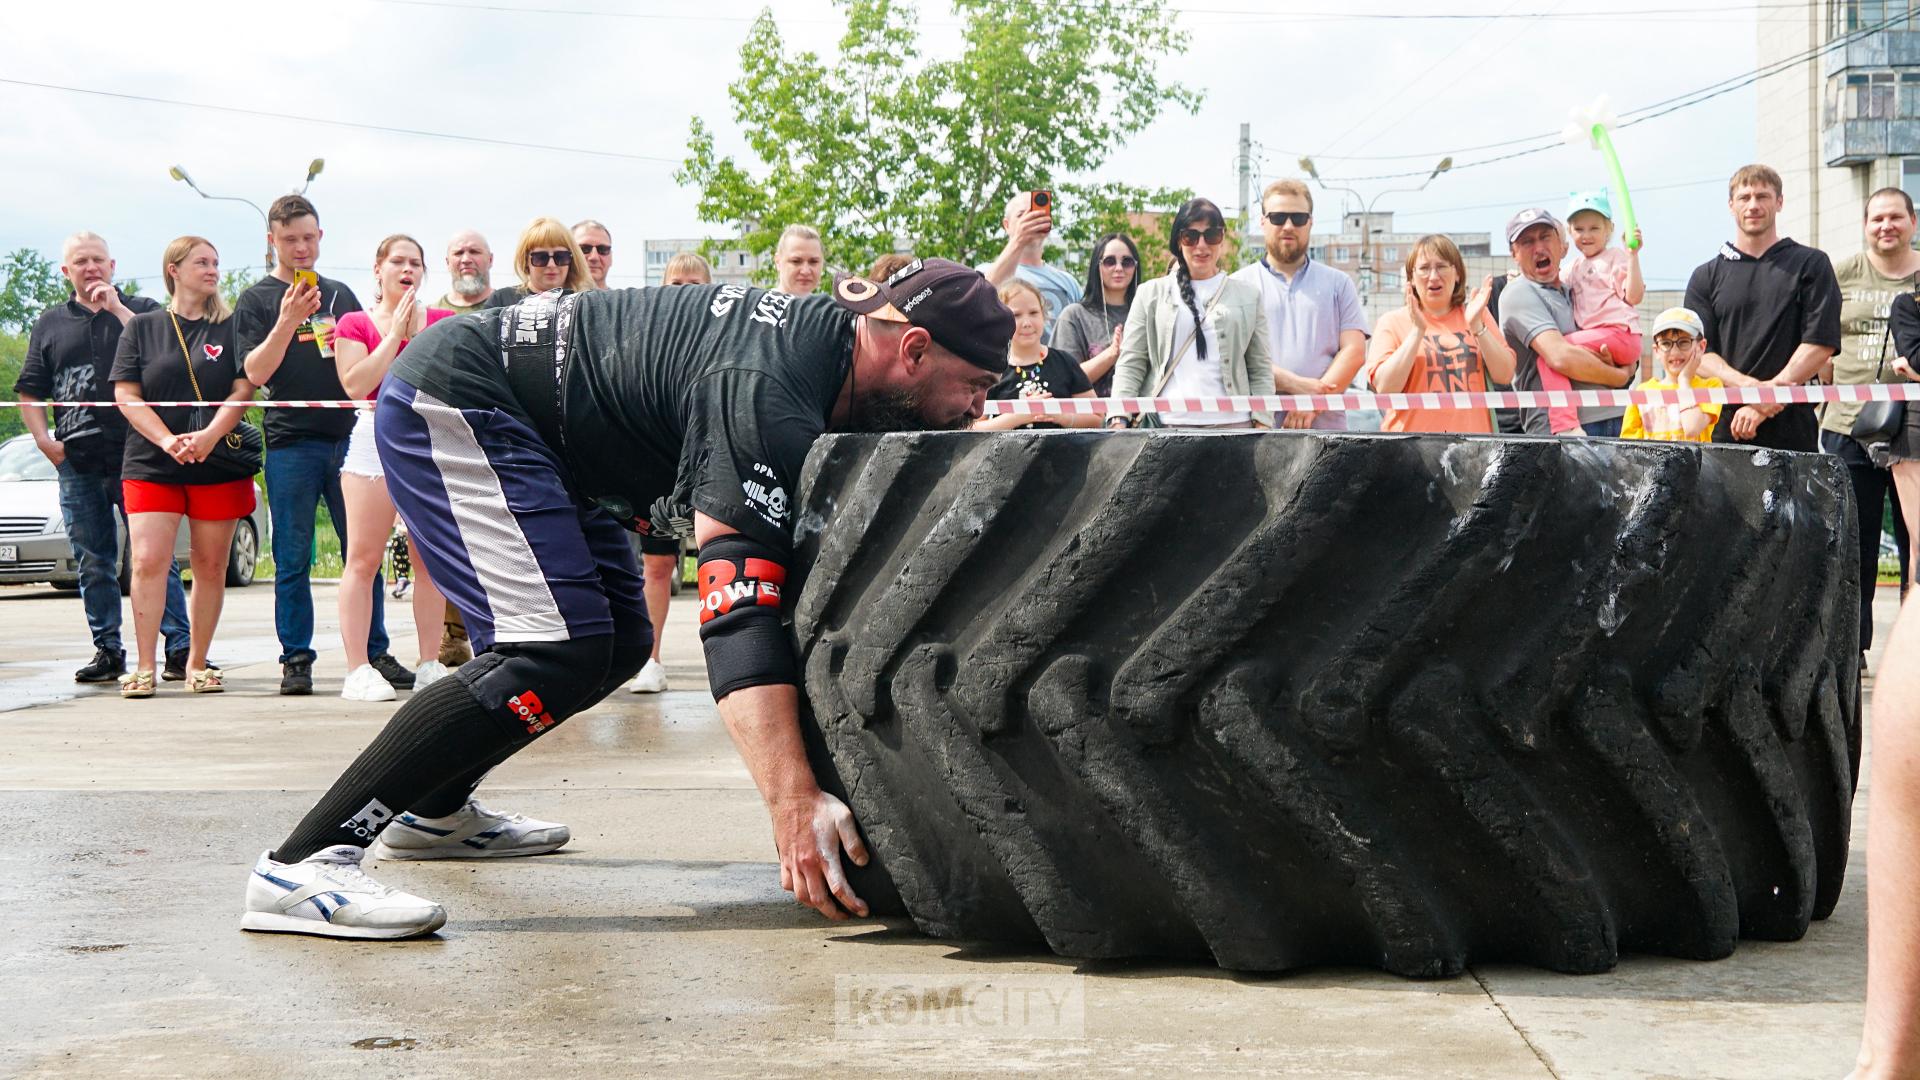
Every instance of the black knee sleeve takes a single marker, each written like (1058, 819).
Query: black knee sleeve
(533, 685)
(451, 731)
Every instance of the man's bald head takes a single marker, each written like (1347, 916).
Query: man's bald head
(466, 238)
(470, 266)
(80, 239)
(87, 266)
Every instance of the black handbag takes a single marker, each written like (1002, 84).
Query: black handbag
(1879, 421)
(239, 454)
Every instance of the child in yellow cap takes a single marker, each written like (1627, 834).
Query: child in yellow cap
(1677, 335)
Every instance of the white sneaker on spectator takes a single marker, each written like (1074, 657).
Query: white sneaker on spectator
(471, 832)
(365, 683)
(428, 673)
(651, 680)
(328, 894)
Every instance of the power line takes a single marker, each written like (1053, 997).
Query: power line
(419, 132)
(1239, 15)
(1659, 108)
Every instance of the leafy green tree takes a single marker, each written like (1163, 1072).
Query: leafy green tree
(13, 351)
(235, 282)
(882, 149)
(32, 285)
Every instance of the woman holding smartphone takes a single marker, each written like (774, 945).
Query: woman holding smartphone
(365, 344)
(546, 258)
(1196, 333)
(177, 354)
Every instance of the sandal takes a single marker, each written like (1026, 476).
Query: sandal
(205, 681)
(136, 684)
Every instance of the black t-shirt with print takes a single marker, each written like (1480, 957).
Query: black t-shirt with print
(1056, 373)
(70, 352)
(1756, 313)
(150, 355)
(709, 393)
(506, 297)
(308, 373)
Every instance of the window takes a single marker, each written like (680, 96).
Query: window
(1909, 96)
(1880, 96)
(1391, 254)
(1341, 254)
(1910, 177)
(656, 258)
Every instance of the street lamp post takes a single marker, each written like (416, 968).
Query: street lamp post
(1366, 214)
(314, 169)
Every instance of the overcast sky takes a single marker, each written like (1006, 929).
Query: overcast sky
(626, 75)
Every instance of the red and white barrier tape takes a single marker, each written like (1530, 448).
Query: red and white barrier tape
(1356, 399)
(1506, 399)
(180, 404)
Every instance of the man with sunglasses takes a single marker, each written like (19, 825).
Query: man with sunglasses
(596, 243)
(1028, 227)
(517, 443)
(1318, 334)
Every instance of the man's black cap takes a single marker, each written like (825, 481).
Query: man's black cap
(954, 303)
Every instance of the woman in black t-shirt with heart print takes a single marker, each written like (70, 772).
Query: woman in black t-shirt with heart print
(1035, 370)
(177, 354)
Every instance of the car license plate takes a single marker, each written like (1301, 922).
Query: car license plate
(9, 552)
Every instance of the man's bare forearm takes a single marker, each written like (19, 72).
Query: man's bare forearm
(764, 722)
(266, 357)
(35, 417)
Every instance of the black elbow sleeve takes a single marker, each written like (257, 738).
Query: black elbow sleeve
(741, 585)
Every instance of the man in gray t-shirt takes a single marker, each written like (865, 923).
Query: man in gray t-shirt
(1536, 315)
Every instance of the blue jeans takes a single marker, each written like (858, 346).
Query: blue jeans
(299, 475)
(87, 502)
(1604, 429)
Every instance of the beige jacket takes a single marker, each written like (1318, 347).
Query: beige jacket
(1239, 329)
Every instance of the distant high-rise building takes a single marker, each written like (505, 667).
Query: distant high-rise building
(731, 266)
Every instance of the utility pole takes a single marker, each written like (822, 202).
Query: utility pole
(1245, 162)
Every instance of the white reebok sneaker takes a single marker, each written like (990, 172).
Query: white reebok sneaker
(327, 894)
(365, 683)
(471, 832)
(428, 673)
(651, 680)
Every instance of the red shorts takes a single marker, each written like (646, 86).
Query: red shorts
(200, 502)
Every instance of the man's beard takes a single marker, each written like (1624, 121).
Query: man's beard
(469, 285)
(894, 410)
(1280, 254)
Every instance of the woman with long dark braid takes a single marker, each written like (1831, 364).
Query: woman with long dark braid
(1196, 333)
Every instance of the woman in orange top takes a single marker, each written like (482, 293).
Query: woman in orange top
(1441, 342)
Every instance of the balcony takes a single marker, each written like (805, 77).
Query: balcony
(1871, 108)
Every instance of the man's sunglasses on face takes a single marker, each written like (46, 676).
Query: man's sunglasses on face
(1297, 218)
(596, 249)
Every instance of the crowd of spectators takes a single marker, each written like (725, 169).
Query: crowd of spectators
(1176, 322)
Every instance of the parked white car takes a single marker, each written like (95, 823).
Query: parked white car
(33, 538)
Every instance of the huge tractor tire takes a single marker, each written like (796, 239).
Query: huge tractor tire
(1277, 699)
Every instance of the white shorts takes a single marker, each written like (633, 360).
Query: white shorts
(363, 459)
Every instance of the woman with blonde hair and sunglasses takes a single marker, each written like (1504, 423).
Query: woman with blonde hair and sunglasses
(546, 258)
(180, 353)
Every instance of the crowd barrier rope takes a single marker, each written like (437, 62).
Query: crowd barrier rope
(1347, 402)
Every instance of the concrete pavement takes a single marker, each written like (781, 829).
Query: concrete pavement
(659, 942)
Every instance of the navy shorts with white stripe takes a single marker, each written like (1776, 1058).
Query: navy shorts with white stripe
(512, 548)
